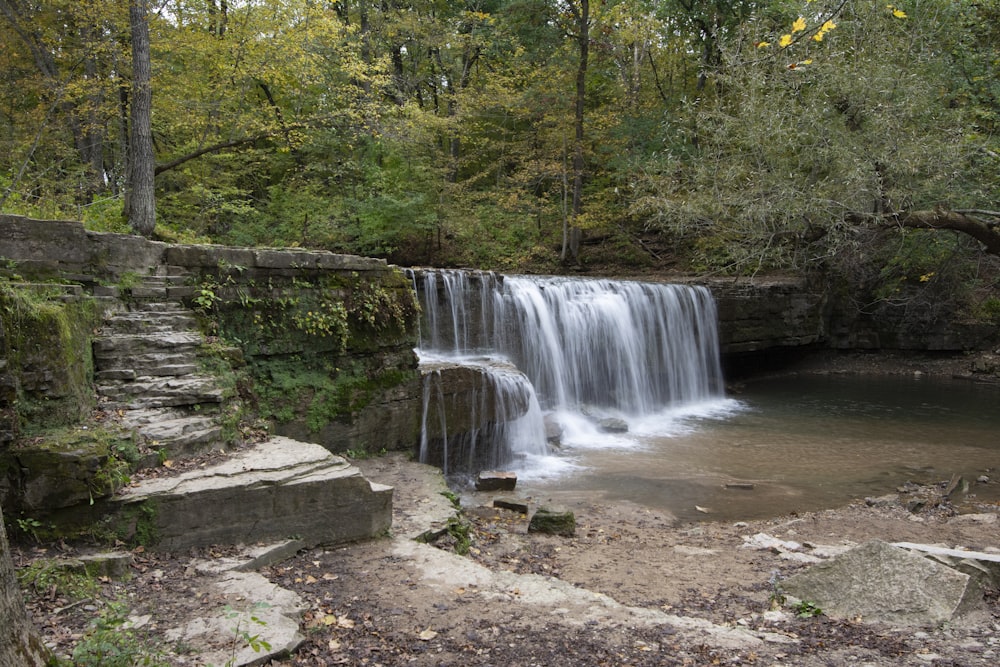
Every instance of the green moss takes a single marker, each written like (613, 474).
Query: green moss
(47, 344)
(318, 392)
(133, 524)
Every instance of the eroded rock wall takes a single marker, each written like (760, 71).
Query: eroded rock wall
(325, 341)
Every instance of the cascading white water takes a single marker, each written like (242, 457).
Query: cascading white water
(605, 347)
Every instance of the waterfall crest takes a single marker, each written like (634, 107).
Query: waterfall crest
(571, 346)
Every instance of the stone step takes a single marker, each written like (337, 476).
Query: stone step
(139, 418)
(160, 306)
(148, 292)
(275, 489)
(182, 438)
(148, 392)
(138, 343)
(130, 371)
(129, 367)
(148, 322)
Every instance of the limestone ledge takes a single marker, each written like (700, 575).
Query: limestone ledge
(278, 489)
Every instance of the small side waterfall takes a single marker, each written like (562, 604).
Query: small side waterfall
(606, 349)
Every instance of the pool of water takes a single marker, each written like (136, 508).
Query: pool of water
(784, 445)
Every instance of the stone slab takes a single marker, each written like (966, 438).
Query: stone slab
(247, 602)
(279, 489)
(496, 480)
(881, 582)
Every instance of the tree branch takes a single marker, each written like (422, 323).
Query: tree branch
(960, 221)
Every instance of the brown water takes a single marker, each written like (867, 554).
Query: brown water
(803, 443)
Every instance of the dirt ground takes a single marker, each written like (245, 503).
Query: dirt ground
(632, 587)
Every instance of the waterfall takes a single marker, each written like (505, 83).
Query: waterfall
(567, 346)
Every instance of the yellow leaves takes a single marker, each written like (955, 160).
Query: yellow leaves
(801, 63)
(898, 13)
(799, 25)
(823, 29)
(927, 277)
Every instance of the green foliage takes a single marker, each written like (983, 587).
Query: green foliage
(245, 620)
(806, 609)
(442, 134)
(453, 498)
(110, 642)
(52, 576)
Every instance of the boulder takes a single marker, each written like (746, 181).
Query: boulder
(511, 504)
(495, 480)
(881, 582)
(553, 521)
(278, 489)
(612, 425)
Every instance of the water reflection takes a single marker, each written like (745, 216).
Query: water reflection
(803, 443)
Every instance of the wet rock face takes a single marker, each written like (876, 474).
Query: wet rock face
(466, 410)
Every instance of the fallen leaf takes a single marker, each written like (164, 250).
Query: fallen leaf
(344, 622)
(330, 577)
(333, 645)
(427, 635)
(311, 579)
(703, 510)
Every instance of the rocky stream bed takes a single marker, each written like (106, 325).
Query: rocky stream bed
(632, 587)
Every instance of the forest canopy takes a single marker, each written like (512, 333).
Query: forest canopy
(718, 136)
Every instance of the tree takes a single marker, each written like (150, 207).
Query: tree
(140, 195)
(819, 128)
(19, 643)
(580, 10)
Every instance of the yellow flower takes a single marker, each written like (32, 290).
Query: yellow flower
(818, 36)
(762, 45)
(828, 26)
(799, 25)
(899, 13)
(785, 41)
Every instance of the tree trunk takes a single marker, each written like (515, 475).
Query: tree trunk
(140, 201)
(582, 15)
(19, 644)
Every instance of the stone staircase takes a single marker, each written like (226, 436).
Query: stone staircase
(147, 369)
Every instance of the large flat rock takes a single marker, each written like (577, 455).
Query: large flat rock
(881, 582)
(280, 488)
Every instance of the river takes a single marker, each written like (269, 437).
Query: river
(783, 445)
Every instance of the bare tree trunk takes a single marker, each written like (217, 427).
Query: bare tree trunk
(572, 234)
(140, 201)
(19, 643)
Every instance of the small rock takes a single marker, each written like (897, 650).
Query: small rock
(553, 521)
(511, 504)
(765, 541)
(494, 480)
(612, 425)
(888, 500)
(983, 479)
